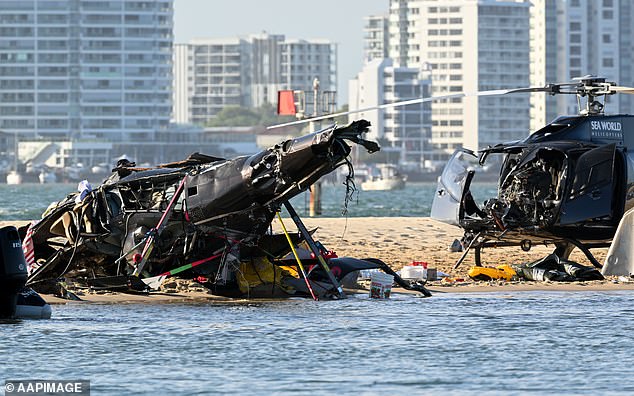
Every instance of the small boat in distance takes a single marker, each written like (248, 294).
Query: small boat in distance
(13, 177)
(384, 177)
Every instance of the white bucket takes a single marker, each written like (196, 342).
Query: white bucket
(381, 285)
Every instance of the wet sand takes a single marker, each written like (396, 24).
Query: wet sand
(398, 241)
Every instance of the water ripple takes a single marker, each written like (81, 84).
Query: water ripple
(511, 343)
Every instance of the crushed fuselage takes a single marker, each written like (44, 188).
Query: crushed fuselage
(204, 217)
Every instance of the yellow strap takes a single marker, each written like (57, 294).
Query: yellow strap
(290, 243)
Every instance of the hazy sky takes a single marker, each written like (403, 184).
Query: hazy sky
(340, 21)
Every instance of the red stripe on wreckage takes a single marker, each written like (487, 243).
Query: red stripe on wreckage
(29, 250)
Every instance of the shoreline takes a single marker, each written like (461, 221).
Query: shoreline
(399, 241)
(459, 289)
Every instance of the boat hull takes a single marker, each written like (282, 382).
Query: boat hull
(14, 177)
(383, 184)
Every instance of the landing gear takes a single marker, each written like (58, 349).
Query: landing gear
(564, 248)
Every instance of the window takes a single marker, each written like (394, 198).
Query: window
(608, 62)
(607, 38)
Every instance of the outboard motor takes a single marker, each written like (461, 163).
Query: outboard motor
(13, 272)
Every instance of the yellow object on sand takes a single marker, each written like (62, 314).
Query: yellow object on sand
(260, 271)
(488, 273)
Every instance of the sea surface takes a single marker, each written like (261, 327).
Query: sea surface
(463, 344)
(29, 201)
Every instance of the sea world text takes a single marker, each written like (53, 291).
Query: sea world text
(606, 126)
(612, 130)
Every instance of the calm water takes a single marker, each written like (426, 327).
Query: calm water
(499, 343)
(29, 201)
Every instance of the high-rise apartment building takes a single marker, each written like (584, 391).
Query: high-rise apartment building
(573, 38)
(211, 74)
(305, 60)
(375, 38)
(85, 69)
(266, 63)
(402, 18)
(469, 46)
(543, 58)
(219, 76)
(181, 83)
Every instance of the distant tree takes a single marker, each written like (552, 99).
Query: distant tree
(235, 116)
(241, 116)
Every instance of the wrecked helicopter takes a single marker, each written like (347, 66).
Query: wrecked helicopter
(566, 185)
(204, 218)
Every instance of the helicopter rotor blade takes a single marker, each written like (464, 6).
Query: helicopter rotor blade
(625, 90)
(383, 106)
(551, 88)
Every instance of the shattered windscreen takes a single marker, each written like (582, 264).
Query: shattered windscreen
(454, 179)
(455, 174)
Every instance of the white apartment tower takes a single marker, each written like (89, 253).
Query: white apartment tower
(181, 83)
(375, 38)
(211, 74)
(265, 65)
(86, 69)
(573, 38)
(470, 46)
(217, 77)
(543, 61)
(304, 60)
(402, 19)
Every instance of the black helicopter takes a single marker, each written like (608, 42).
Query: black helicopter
(566, 185)
(206, 218)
